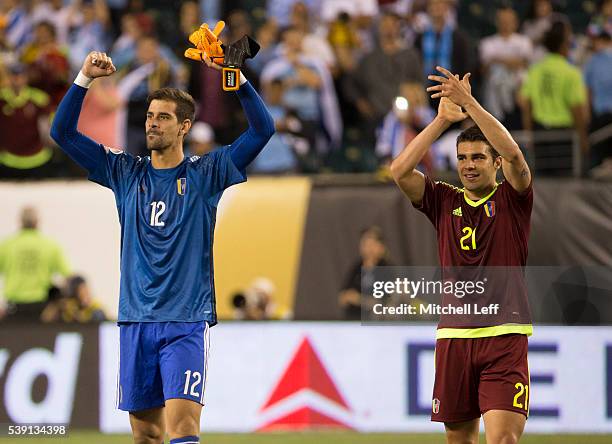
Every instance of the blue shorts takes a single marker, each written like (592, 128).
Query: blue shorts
(159, 361)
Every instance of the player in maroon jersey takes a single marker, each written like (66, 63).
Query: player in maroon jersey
(481, 369)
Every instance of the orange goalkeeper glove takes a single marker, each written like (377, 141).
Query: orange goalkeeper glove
(206, 42)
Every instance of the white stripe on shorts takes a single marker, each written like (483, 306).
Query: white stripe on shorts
(117, 390)
(206, 350)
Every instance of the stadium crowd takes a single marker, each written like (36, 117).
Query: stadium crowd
(344, 80)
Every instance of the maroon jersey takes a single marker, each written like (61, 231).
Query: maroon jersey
(19, 114)
(491, 232)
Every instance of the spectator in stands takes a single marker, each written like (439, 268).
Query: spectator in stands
(442, 43)
(256, 303)
(362, 10)
(238, 24)
(124, 48)
(18, 23)
(279, 155)
(604, 17)
(267, 37)
(101, 113)
(314, 45)
(344, 39)
(48, 66)
(189, 20)
(135, 27)
(280, 10)
(7, 52)
(144, 16)
(239, 312)
(504, 58)
(24, 125)
(201, 139)
(539, 19)
(54, 308)
(375, 83)
(308, 90)
(373, 253)
(554, 97)
(28, 262)
(80, 305)
(91, 32)
(259, 297)
(598, 77)
(147, 73)
(62, 14)
(410, 114)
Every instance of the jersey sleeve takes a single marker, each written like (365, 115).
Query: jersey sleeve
(115, 171)
(521, 203)
(218, 172)
(433, 198)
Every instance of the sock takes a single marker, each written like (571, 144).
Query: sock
(186, 440)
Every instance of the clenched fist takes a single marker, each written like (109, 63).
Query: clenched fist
(98, 64)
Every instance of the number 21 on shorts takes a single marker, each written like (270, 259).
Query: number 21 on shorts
(197, 379)
(523, 389)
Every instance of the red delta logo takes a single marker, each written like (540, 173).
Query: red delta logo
(305, 397)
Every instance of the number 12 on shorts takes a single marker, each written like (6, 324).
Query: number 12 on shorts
(197, 378)
(522, 389)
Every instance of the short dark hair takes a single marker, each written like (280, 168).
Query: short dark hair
(185, 105)
(475, 134)
(556, 36)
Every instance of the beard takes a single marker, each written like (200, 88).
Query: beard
(157, 143)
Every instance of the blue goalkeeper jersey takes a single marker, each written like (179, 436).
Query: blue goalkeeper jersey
(167, 226)
(167, 215)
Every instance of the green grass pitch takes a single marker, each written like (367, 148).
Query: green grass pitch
(309, 438)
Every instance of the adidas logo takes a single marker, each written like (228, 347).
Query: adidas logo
(457, 212)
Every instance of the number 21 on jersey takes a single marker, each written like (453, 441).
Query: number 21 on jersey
(157, 209)
(468, 241)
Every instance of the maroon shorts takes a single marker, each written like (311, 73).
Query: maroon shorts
(476, 375)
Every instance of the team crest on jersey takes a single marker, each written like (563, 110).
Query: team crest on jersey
(458, 212)
(435, 405)
(489, 208)
(181, 185)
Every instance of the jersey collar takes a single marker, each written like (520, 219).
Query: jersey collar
(474, 203)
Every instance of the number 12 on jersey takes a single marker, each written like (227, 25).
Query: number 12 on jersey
(157, 209)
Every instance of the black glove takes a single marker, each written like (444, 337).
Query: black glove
(236, 53)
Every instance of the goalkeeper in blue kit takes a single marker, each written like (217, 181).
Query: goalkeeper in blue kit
(167, 204)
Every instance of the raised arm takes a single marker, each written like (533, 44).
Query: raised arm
(83, 150)
(403, 167)
(261, 125)
(260, 130)
(459, 92)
